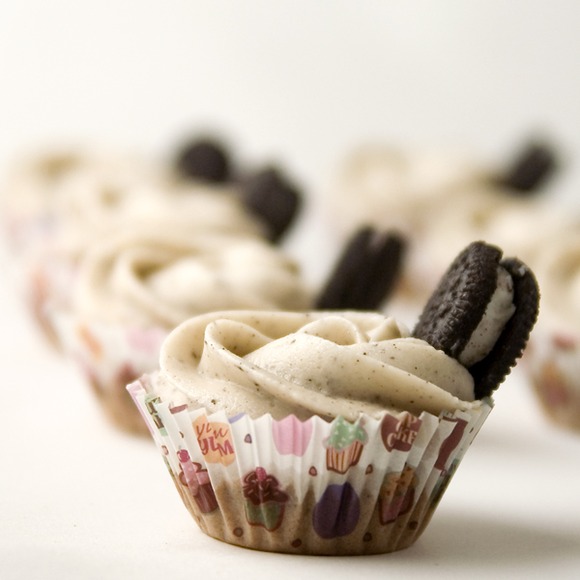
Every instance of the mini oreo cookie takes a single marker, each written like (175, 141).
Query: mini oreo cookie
(365, 273)
(270, 196)
(534, 165)
(204, 159)
(460, 301)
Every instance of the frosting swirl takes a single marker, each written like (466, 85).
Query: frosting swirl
(163, 276)
(384, 186)
(328, 364)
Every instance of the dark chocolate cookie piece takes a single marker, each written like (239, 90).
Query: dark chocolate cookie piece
(490, 372)
(534, 165)
(205, 159)
(365, 273)
(271, 196)
(459, 302)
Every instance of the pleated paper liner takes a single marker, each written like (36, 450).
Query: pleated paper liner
(309, 487)
(552, 363)
(109, 356)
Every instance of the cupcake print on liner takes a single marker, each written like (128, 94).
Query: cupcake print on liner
(290, 503)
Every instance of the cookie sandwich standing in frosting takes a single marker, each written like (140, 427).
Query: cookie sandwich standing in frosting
(334, 432)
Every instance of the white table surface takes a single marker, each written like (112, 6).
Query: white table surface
(302, 82)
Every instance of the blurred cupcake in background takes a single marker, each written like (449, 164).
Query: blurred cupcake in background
(74, 201)
(133, 287)
(441, 201)
(553, 360)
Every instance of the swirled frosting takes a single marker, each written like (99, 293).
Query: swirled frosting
(323, 363)
(387, 187)
(164, 275)
(43, 181)
(198, 208)
(89, 194)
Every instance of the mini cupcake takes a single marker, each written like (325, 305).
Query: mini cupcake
(46, 190)
(50, 276)
(553, 361)
(441, 201)
(131, 289)
(78, 199)
(337, 432)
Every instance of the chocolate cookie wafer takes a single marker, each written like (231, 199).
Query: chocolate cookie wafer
(531, 168)
(271, 196)
(482, 314)
(365, 273)
(205, 159)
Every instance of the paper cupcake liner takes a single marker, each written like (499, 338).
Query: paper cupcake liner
(308, 487)
(47, 285)
(109, 357)
(552, 364)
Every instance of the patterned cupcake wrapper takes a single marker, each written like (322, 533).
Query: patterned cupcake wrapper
(280, 486)
(552, 364)
(108, 358)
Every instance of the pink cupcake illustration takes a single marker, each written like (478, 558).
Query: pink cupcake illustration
(265, 502)
(292, 436)
(344, 445)
(197, 482)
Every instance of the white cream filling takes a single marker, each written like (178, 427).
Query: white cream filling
(498, 312)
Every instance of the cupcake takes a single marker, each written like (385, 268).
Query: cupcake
(78, 199)
(552, 363)
(131, 289)
(441, 201)
(39, 189)
(337, 432)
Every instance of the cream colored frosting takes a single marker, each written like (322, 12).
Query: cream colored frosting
(323, 363)
(35, 183)
(89, 194)
(164, 274)
(387, 187)
(198, 208)
(44, 193)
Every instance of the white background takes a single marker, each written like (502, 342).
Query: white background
(299, 82)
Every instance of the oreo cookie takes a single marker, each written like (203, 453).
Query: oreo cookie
(464, 296)
(271, 196)
(532, 167)
(204, 159)
(366, 272)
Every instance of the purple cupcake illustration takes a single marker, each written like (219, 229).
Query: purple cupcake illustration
(337, 512)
